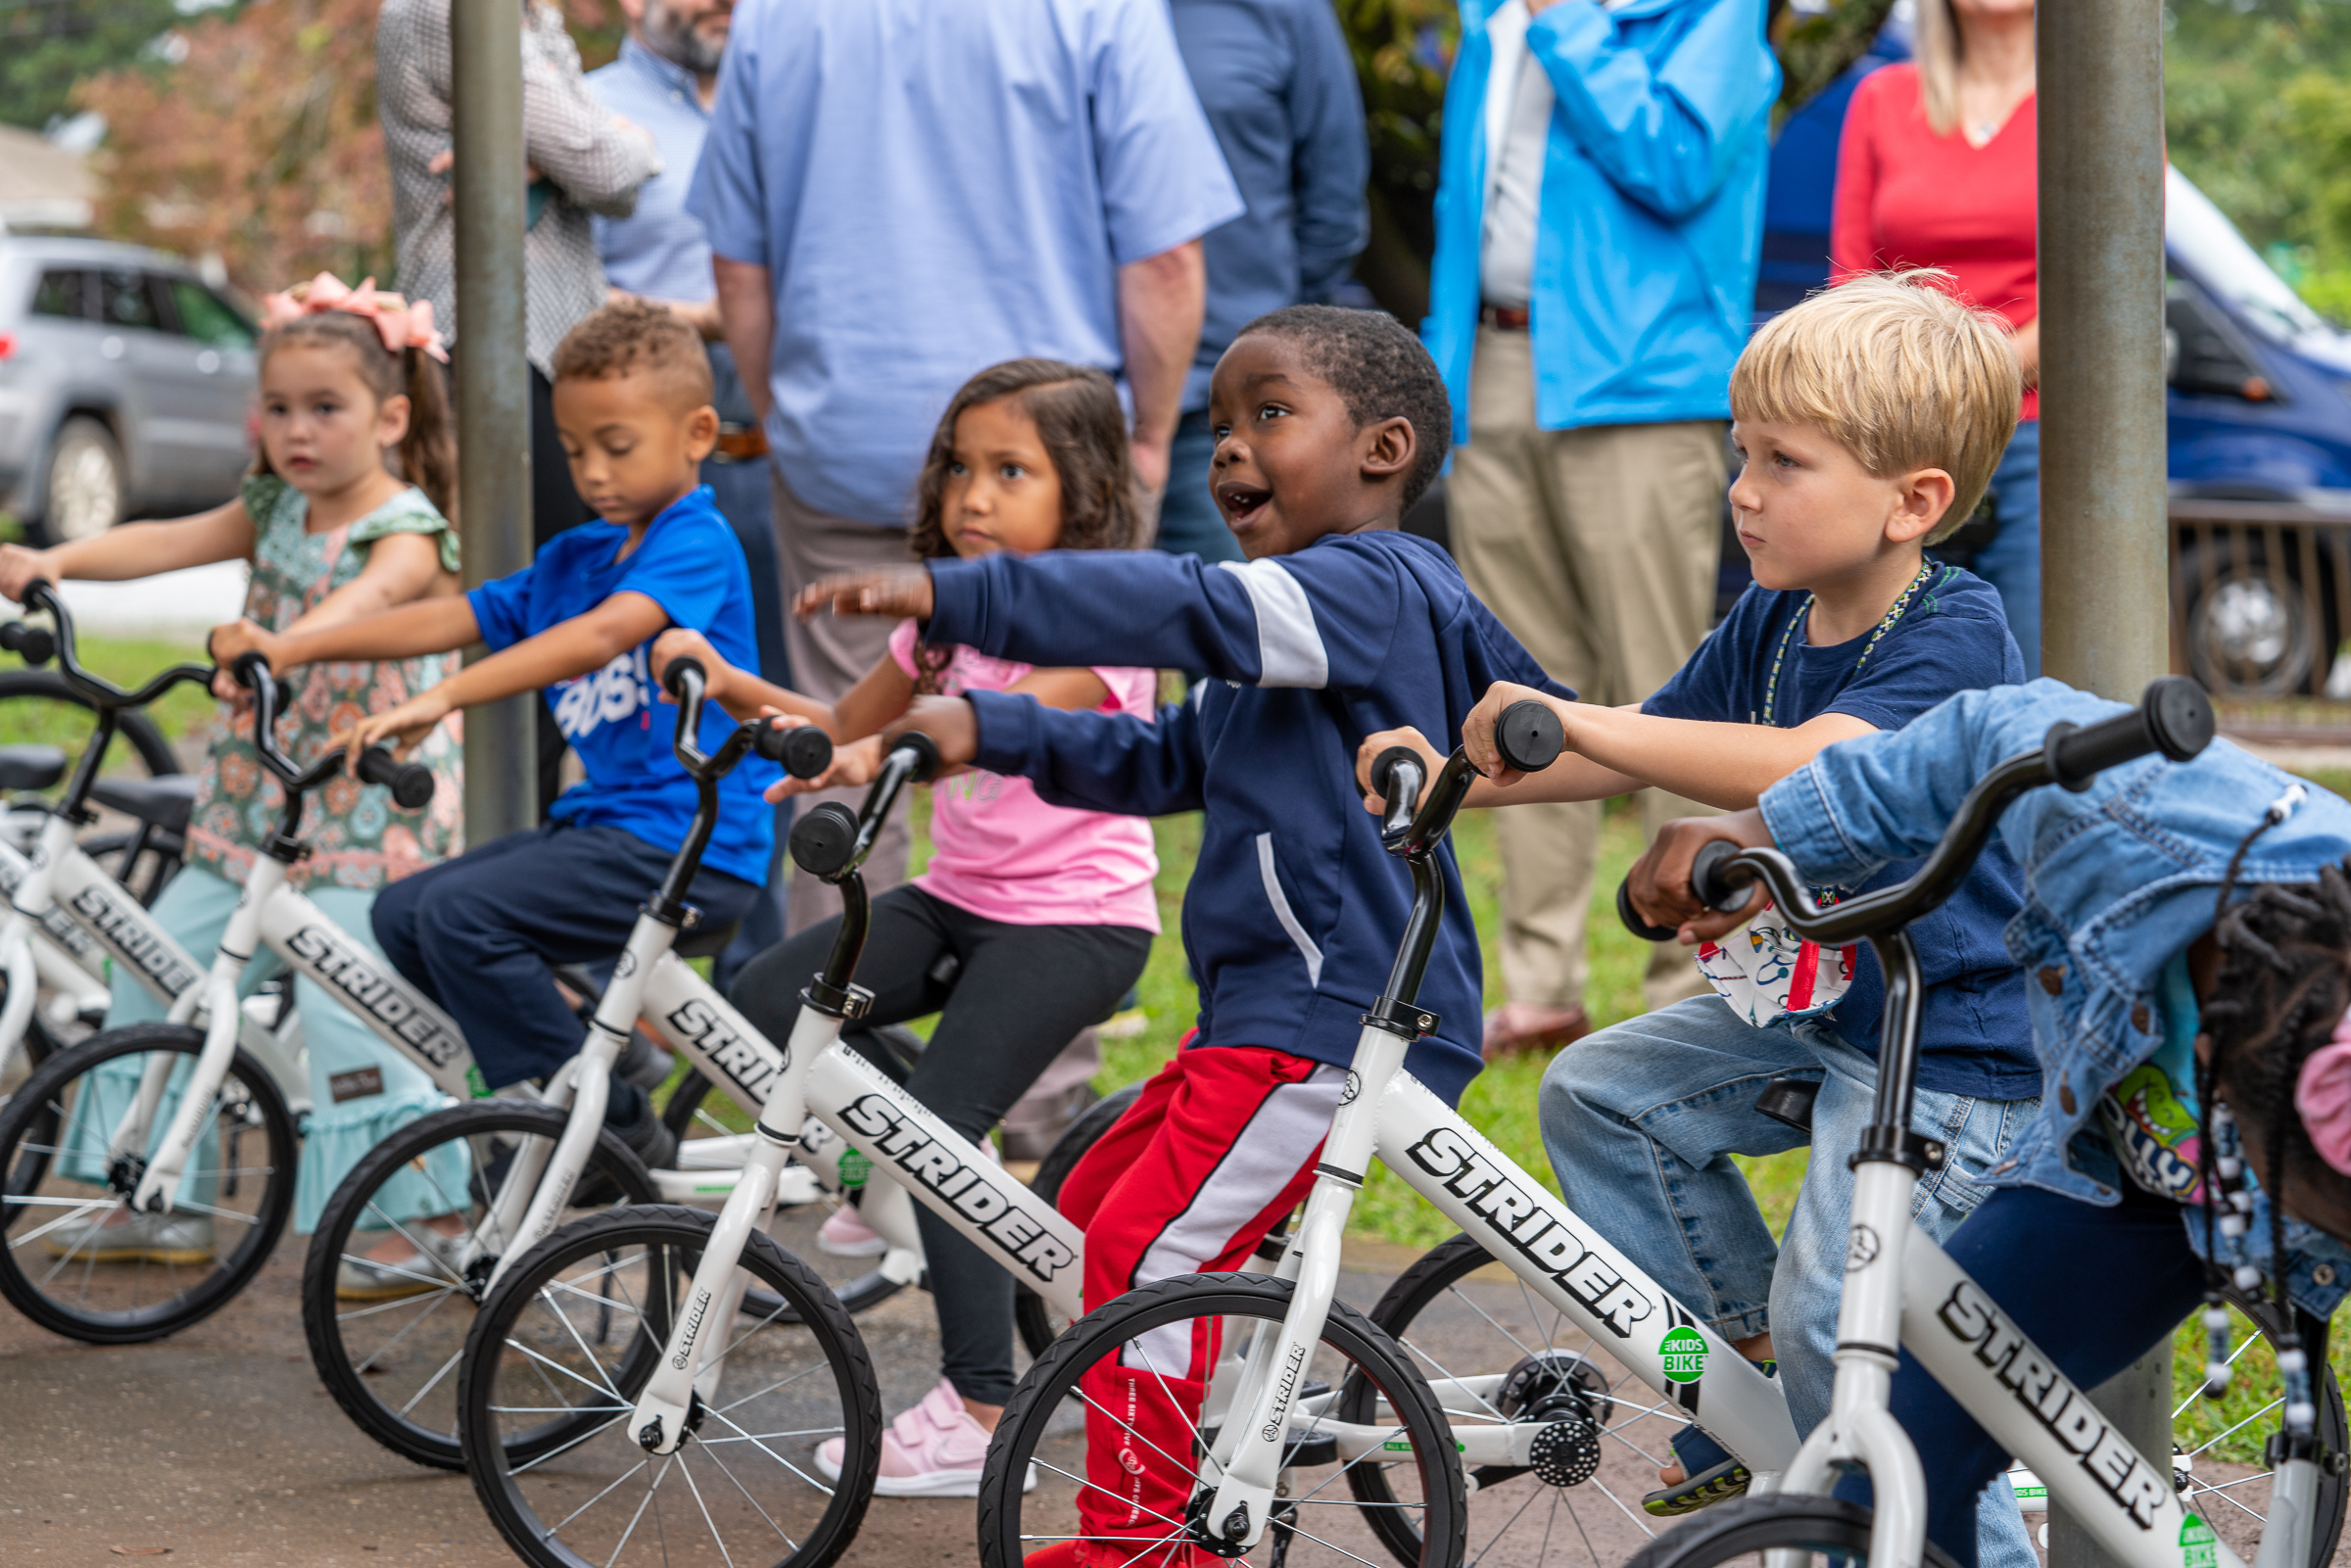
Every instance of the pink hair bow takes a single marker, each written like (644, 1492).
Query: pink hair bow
(2322, 1096)
(399, 323)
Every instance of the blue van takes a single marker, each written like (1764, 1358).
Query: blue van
(2260, 401)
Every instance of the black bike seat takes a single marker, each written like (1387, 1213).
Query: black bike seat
(31, 767)
(1790, 1100)
(165, 801)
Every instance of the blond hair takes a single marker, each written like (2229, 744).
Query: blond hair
(1937, 56)
(1898, 371)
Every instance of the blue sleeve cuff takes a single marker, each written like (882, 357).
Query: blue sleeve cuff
(1009, 730)
(1801, 813)
(489, 619)
(958, 605)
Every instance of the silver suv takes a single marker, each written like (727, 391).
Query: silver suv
(125, 385)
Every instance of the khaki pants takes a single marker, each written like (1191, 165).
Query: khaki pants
(830, 654)
(1597, 548)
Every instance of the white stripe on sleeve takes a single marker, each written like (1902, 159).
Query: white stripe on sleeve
(1289, 649)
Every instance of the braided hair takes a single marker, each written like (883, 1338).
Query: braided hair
(2284, 981)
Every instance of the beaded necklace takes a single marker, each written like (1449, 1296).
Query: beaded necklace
(1779, 657)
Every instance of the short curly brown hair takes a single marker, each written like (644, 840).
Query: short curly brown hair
(633, 336)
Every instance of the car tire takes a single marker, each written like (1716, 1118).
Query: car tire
(84, 494)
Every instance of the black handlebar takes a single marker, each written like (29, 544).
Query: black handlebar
(1529, 738)
(832, 841)
(2174, 718)
(412, 783)
(35, 645)
(38, 645)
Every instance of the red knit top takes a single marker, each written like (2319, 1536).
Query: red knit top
(1906, 197)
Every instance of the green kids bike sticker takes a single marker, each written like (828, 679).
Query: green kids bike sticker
(2198, 1546)
(474, 1083)
(854, 1169)
(1685, 1354)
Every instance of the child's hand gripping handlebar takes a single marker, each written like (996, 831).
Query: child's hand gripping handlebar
(831, 841)
(412, 783)
(1529, 738)
(2173, 717)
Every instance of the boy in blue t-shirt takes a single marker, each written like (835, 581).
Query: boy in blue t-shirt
(1870, 419)
(632, 399)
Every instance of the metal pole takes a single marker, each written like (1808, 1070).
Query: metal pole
(2105, 553)
(494, 385)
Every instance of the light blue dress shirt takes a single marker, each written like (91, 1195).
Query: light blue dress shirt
(936, 186)
(658, 249)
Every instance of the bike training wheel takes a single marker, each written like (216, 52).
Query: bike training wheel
(2218, 1464)
(1040, 1325)
(1828, 1533)
(1317, 1521)
(153, 1274)
(1499, 1354)
(386, 1339)
(562, 1348)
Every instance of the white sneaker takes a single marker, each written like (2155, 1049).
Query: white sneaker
(933, 1450)
(181, 1240)
(412, 1273)
(845, 1234)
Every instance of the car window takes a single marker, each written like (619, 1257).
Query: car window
(206, 317)
(124, 299)
(60, 293)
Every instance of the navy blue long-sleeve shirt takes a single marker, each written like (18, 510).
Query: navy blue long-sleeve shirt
(1294, 911)
(1280, 91)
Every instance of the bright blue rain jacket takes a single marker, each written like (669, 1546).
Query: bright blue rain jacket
(1652, 207)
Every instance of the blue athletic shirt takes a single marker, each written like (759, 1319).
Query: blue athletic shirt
(1975, 1036)
(691, 565)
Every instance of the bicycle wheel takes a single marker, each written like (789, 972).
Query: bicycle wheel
(1134, 1344)
(385, 1331)
(2218, 1463)
(1040, 1325)
(1743, 1529)
(1498, 1354)
(42, 709)
(75, 1259)
(566, 1342)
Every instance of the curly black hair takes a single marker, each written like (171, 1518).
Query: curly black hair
(1379, 370)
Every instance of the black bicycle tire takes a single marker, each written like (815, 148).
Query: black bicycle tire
(1038, 1401)
(146, 737)
(244, 1261)
(329, 1357)
(1743, 1526)
(1029, 1314)
(821, 1314)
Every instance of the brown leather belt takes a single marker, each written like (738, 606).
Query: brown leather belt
(1507, 319)
(740, 443)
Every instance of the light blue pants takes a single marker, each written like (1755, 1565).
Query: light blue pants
(195, 909)
(1640, 1119)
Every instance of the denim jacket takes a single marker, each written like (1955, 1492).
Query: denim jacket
(2118, 880)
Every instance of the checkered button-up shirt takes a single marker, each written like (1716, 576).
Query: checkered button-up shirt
(593, 163)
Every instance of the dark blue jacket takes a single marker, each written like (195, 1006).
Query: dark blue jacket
(1294, 911)
(1279, 88)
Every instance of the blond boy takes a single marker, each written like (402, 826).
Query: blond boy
(1870, 419)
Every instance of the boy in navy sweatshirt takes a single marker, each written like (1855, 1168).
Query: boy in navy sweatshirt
(1328, 424)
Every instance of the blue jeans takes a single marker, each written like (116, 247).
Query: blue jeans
(1189, 523)
(2012, 563)
(1640, 1121)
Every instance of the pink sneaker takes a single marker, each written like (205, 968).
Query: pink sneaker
(933, 1450)
(845, 1234)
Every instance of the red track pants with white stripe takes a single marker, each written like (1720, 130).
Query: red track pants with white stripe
(1220, 1146)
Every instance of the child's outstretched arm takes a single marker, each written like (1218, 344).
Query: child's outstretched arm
(400, 569)
(743, 695)
(1118, 762)
(134, 549)
(1610, 750)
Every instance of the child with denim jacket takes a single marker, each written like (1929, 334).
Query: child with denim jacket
(2187, 929)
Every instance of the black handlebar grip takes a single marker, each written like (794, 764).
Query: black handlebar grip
(1383, 769)
(2173, 717)
(925, 755)
(823, 837)
(248, 668)
(805, 751)
(412, 783)
(1710, 880)
(1632, 920)
(673, 675)
(35, 645)
(1529, 736)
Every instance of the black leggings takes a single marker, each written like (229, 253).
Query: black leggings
(1009, 998)
(2095, 1288)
